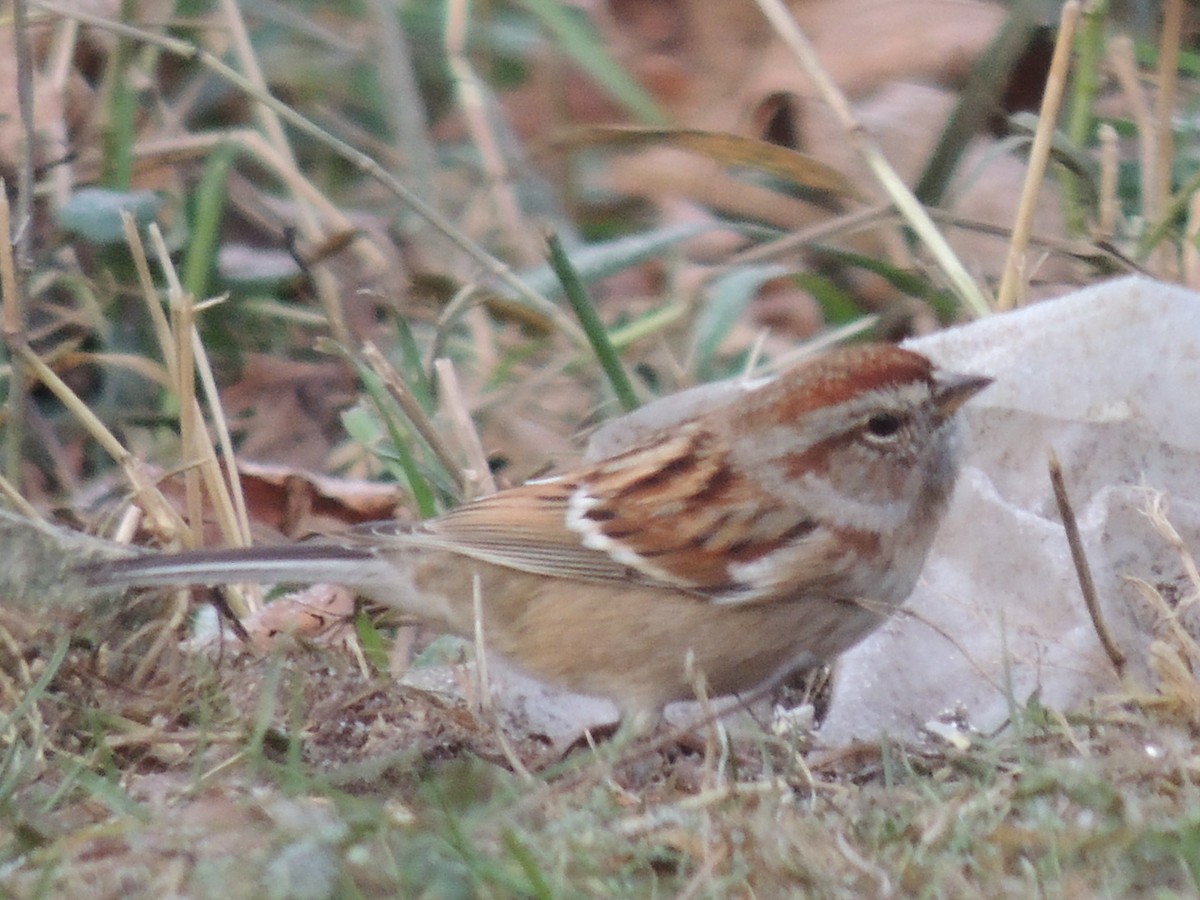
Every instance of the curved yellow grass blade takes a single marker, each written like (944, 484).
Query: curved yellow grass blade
(723, 147)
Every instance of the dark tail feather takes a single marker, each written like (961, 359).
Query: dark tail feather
(299, 563)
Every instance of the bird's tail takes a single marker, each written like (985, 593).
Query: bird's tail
(291, 564)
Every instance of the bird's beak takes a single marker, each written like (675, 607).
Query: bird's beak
(952, 390)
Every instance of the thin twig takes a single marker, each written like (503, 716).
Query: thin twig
(1123, 63)
(843, 225)
(1082, 569)
(58, 69)
(483, 694)
(475, 114)
(486, 702)
(183, 320)
(1110, 206)
(14, 337)
(25, 98)
(1165, 209)
(910, 208)
(1191, 255)
(1164, 112)
(715, 736)
(464, 429)
(228, 496)
(158, 319)
(1039, 157)
(1084, 251)
(192, 361)
(9, 492)
(404, 107)
(16, 260)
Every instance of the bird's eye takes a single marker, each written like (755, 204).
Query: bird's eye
(884, 425)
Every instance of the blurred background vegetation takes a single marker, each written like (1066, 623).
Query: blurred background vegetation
(245, 233)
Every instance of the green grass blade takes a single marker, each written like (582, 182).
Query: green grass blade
(600, 260)
(578, 39)
(597, 336)
(205, 237)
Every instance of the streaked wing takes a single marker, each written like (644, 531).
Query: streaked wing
(674, 513)
(682, 513)
(522, 528)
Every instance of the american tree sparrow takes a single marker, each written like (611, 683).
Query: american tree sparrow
(765, 535)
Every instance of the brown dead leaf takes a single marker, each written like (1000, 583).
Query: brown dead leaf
(290, 503)
(297, 502)
(287, 410)
(320, 613)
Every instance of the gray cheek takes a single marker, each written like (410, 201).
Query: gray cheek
(944, 459)
(875, 474)
(933, 483)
